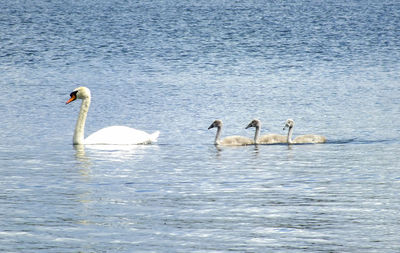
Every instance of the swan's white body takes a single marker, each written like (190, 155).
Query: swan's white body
(121, 135)
(116, 135)
(230, 140)
(265, 139)
(308, 138)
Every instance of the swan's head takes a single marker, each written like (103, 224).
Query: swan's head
(80, 92)
(254, 123)
(289, 124)
(216, 123)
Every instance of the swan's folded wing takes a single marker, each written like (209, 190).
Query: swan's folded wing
(272, 139)
(121, 135)
(236, 141)
(310, 138)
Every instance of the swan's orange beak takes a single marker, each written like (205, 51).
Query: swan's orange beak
(73, 97)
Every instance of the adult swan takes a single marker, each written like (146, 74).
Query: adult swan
(115, 135)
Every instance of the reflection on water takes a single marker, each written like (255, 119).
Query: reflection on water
(80, 154)
(84, 153)
(253, 149)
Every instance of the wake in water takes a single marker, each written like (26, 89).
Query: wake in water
(359, 141)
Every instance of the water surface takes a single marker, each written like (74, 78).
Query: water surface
(176, 66)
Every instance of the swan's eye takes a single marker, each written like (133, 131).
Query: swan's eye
(73, 93)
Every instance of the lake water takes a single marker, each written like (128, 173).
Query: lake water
(176, 66)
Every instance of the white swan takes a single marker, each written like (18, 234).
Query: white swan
(308, 138)
(230, 140)
(110, 135)
(265, 139)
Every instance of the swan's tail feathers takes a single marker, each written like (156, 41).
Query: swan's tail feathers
(154, 136)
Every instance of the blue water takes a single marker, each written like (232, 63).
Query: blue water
(176, 66)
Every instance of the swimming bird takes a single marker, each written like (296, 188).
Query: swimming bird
(308, 138)
(109, 135)
(265, 139)
(230, 140)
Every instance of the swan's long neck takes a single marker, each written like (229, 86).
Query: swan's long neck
(257, 134)
(289, 135)
(216, 141)
(80, 123)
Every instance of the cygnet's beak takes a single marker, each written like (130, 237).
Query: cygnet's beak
(211, 126)
(249, 125)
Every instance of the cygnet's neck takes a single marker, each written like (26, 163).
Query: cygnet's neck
(257, 134)
(218, 134)
(289, 135)
(80, 123)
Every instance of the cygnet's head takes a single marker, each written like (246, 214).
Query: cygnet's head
(80, 92)
(216, 123)
(254, 123)
(289, 124)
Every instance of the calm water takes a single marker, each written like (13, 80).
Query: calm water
(175, 66)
